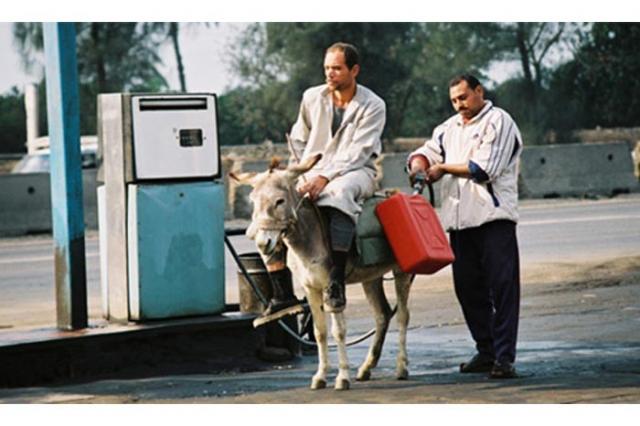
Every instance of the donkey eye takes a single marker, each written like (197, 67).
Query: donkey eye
(279, 202)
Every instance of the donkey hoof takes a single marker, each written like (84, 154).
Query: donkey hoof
(343, 384)
(402, 374)
(363, 376)
(318, 384)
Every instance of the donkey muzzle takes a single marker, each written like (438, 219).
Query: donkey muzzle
(268, 240)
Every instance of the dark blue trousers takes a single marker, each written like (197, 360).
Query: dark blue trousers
(486, 276)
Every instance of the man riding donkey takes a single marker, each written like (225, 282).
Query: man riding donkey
(343, 121)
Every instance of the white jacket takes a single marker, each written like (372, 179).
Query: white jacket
(491, 145)
(348, 158)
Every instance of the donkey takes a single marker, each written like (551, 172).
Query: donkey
(282, 216)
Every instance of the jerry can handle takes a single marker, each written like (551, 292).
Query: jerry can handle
(419, 182)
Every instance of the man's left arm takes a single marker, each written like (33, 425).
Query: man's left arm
(498, 147)
(299, 134)
(435, 172)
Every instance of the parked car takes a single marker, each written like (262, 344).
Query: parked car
(38, 162)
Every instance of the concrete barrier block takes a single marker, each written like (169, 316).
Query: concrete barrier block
(577, 170)
(545, 171)
(25, 203)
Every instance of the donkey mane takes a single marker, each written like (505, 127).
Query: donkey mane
(275, 163)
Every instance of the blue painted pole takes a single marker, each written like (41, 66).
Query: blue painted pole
(66, 175)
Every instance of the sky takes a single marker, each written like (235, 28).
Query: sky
(11, 73)
(204, 48)
(203, 51)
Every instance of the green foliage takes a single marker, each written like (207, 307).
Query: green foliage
(239, 122)
(13, 133)
(112, 57)
(599, 87)
(608, 74)
(115, 57)
(567, 101)
(572, 75)
(537, 46)
(407, 64)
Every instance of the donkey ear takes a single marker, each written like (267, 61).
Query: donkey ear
(244, 178)
(304, 166)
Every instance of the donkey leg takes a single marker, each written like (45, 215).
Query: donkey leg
(403, 286)
(339, 331)
(319, 380)
(382, 313)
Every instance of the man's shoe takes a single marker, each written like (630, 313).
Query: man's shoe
(334, 298)
(503, 370)
(480, 363)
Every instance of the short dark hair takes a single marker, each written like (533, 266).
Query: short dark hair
(471, 80)
(351, 55)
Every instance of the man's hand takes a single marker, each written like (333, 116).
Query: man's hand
(314, 187)
(419, 164)
(435, 172)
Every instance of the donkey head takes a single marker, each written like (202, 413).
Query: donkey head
(275, 202)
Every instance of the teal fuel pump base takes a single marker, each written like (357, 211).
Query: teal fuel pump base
(176, 250)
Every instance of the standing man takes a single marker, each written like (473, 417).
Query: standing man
(343, 121)
(476, 153)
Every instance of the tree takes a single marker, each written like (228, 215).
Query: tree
(174, 29)
(170, 31)
(112, 57)
(599, 87)
(13, 133)
(609, 72)
(407, 64)
(539, 47)
(534, 41)
(28, 40)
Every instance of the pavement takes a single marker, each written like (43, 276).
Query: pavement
(579, 340)
(579, 343)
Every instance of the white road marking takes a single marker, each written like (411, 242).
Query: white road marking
(578, 219)
(33, 259)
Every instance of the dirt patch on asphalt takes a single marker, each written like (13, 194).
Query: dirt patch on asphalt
(584, 275)
(597, 299)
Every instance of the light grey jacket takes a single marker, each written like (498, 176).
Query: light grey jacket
(356, 143)
(491, 145)
(348, 158)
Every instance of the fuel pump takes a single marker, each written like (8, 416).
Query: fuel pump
(161, 208)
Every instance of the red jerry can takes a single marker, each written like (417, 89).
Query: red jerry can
(415, 234)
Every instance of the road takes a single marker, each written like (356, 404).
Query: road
(561, 230)
(549, 231)
(27, 288)
(578, 336)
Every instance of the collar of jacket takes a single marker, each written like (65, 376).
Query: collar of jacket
(485, 109)
(354, 103)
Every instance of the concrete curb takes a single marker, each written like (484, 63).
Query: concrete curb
(206, 344)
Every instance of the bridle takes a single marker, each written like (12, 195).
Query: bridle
(286, 226)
